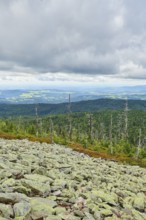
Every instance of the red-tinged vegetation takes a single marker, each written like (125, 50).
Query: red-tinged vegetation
(79, 148)
(104, 155)
(29, 137)
(91, 153)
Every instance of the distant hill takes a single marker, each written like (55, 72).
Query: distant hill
(80, 93)
(7, 110)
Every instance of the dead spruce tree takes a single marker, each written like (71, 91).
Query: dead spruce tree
(111, 134)
(126, 119)
(41, 126)
(39, 123)
(90, 126)
(139, 143)
(69, 118)
(51, 130)
(119, 128)
(19, 123)
(101, 131)
(37, 120)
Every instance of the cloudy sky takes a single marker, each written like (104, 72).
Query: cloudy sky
(46, 42)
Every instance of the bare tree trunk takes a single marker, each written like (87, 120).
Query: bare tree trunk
(102, 131)
(69, 119)
(139, 144)
(51, 131)
(37, 120)
(41, 126)
(111, 134)
(119, 127)
(126, 119)
(90, 123)
(19, 124)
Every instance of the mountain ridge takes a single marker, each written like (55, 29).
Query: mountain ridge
(60, 95)
(7, 110)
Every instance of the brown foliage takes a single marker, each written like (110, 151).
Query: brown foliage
(79, 148)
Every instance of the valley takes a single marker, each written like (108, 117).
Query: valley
(80, 93)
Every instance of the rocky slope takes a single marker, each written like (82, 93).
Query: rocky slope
(42, 181)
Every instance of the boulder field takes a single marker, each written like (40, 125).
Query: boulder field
(52, 182)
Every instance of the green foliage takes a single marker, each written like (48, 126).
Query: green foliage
(11, 110)
(143, 152)
(93, 133)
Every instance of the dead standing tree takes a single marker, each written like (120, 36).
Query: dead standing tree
(51, 130)
(39, 123)
(19, 123)
(126, 119)
(37, 120)
(111, 134)
(139, 144)
(119, 128)
(90, 126)
(69, 118)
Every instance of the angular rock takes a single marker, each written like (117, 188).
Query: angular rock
(9, 182)
(47, 201)
(139, 202)
(59, 210)
(37, 187)
(6, 211)
(37, 178)
(106, 212)
(40, 208)
(12, 198)
(22, 189)
(106, 197)
(89, 216)
(22, 209)
(52, 217)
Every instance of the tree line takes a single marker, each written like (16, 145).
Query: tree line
(113, 131)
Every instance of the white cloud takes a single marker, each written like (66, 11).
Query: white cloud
(72, 40)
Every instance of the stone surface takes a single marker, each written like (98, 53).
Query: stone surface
(139, 202)
(52, 182)
(6, 211)
(40, 208)
(22, 209)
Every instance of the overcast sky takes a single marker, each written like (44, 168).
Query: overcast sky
(72, 41)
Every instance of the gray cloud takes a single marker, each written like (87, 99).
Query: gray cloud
(98, 37)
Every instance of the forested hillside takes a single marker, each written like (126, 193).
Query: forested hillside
(7, 110)
(113, 132)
